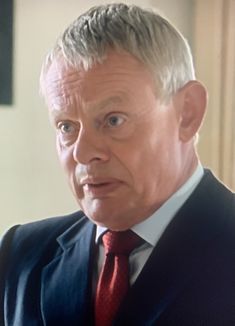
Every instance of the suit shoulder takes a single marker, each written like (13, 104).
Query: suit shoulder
(52, 224)
(39, 233)
(216, 193)
(49, 224)
(216, 203)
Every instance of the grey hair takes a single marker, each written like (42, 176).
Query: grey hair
(143, 33)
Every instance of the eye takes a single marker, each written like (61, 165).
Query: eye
(115, 120)
(66, 128)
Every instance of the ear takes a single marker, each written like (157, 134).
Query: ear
(193, 102)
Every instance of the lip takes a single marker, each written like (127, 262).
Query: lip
(100, 187)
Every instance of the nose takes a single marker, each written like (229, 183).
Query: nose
(90, 146)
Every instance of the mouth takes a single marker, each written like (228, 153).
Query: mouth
(100, 188)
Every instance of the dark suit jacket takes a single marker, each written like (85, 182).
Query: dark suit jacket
(189, 279)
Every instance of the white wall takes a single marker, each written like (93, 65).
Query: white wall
(32, 186)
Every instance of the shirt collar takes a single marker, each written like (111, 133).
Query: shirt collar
(153, 227)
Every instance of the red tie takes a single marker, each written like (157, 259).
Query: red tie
(114, 278)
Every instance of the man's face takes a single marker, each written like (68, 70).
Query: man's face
(118, 144)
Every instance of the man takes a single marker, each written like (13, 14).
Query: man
(122, 96)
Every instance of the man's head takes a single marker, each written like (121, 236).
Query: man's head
(122, 96)
(142, 33)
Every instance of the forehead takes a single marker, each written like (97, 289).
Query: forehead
(119, 73)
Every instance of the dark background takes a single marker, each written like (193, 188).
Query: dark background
(6, 53)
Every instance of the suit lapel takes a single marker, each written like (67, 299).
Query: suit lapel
(177, 258)
(66, 281)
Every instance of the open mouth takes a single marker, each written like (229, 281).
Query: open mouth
(97, 185)
(100, 189)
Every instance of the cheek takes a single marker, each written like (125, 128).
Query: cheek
(69, 166)
(148, 159)
(65, 157)
(133, 164)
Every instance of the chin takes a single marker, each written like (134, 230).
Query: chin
(107, 213)
(102, 219)
(111, 222)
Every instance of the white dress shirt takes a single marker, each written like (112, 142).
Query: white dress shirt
(152, 228)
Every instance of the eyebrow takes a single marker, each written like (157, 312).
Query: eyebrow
(55, 113)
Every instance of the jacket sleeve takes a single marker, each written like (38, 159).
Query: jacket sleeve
(5, 248)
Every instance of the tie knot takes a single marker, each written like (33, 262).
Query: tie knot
(121, 242)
